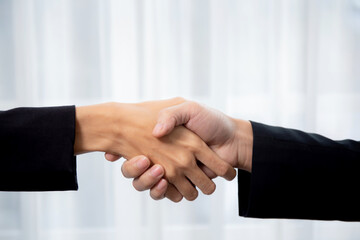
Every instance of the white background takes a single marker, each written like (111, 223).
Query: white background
(294, 63)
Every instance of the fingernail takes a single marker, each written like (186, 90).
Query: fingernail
(142, 163)
(158, 128)
(161, 185)
(156, 171)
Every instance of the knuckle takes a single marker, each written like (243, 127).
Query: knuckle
(223, 170)
(186, 162)
(171, 175)
(192, 146)
(196, 145)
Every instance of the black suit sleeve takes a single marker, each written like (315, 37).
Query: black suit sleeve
(37, 149)
(300, 175)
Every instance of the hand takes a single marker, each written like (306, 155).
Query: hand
(231, 139)
(125, 129)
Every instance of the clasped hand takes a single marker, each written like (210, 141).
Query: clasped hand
(127, 130)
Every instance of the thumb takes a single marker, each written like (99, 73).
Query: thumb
(171, 117)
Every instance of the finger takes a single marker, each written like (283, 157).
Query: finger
(202, 181)
(171, 117)
(173, 194)
(215, 163)
(207, 171)
(134, 167)
(186, 188)
(112, 157)
(158, 191)
(149, 178)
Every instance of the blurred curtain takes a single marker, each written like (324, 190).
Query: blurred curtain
(293, 63)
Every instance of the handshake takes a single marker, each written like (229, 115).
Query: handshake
(172, 146)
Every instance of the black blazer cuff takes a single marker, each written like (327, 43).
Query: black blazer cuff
(37, 146)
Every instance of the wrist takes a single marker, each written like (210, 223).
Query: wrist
(244, 138)
(93, 128)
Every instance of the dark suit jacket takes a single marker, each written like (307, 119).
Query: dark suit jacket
(300, 175)
(37, 149)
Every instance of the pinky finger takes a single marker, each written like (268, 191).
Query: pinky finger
(157, 192)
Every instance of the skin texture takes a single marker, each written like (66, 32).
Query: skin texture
(231, 139)
(126, 130)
